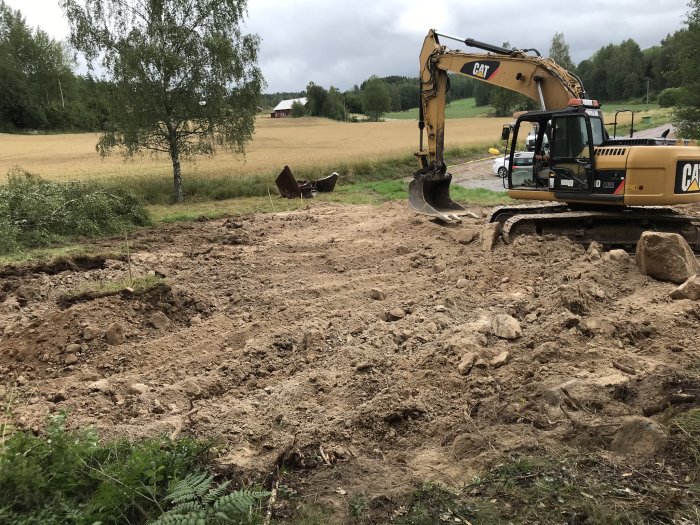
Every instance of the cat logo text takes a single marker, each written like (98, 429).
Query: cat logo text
(482, 69)
(688, 177)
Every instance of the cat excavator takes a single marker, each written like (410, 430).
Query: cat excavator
(594, 187)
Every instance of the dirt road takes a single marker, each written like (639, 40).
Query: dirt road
(394, 346)
(476, 174)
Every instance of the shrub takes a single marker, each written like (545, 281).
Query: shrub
(70, 477)
(668, 97)
(36, 212)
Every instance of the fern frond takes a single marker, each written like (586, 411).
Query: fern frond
(191, 518)
(185, 507)
(215, 493)
(239, 502)
(193, 487)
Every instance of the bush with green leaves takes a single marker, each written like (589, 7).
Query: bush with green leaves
(70, 477)
(36, 212)
(669, 97)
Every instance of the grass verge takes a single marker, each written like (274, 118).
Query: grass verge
(198, 189)
(132, 286)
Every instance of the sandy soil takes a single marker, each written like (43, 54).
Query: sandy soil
(343, 331)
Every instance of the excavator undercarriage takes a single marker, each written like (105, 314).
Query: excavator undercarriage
(612, 228)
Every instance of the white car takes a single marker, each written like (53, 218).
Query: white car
(501, 163)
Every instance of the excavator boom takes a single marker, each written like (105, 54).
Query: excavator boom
(539, 78)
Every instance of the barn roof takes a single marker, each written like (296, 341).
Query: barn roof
(287, 104)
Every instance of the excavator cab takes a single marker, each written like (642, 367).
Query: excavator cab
(569, 165)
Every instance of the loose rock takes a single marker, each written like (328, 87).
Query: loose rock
(467, 363)
(137, 389)
(618, 255)
(466, 236)
(73, 348)
(115, 334)
(439, 266)
(506, 327)
(377, 294)
(501, 359)
(395, 314)
(639, 436)
(160, 321)
(102, 385)
(688, 290)
(70, 359)
(489, 235)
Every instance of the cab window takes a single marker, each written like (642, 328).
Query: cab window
(570, 137)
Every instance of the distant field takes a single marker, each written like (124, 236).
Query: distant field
(463, 108)
(305, 142)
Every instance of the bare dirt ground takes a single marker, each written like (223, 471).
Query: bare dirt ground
(362, 334)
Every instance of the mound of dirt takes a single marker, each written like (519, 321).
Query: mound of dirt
(365, 348)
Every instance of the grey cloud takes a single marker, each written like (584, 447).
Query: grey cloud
(343, 43)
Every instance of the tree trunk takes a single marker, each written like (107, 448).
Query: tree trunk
(177, 172)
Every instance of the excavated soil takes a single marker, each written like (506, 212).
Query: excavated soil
(352, 344)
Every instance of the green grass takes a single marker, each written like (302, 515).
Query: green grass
(136, 285)
(612, 107)
(462, 108)
(198, 189)
(362, 193)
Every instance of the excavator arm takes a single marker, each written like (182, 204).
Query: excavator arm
(537, 77)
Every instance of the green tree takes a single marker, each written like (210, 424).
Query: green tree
(316, 98)
(559, 51)
(687, 112)
(333, 106)
(353, 101)
(615, 72)
(376, 99)
(185, 76)
(36, 79)
(298, 109)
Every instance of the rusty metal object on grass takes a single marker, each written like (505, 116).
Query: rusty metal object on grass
(327, 184)
(290, 188)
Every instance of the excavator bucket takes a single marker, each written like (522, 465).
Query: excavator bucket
(432, 197)
(290, 188)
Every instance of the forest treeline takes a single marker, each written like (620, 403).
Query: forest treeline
(40, 88)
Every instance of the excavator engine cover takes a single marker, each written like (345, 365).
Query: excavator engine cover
(432, 197)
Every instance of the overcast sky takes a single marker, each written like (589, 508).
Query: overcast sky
(341, 43)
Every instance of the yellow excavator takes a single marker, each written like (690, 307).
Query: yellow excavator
(599, 188)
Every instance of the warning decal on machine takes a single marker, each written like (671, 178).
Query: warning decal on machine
(688, 176)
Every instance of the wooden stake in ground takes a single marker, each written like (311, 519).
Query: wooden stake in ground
(128, 259)
(271, 204)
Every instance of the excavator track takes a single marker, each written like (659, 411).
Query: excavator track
(609, 228)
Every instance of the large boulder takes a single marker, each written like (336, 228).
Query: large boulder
(666, 257)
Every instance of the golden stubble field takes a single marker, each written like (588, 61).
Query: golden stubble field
(296, 142)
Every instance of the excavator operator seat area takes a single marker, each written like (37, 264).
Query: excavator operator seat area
(571, 153)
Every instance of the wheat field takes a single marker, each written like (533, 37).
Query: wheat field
(298, 143)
